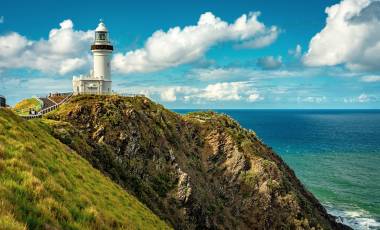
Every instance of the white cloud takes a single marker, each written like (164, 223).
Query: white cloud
(255, 97)
(71, 64)
(11, 45)
(221, 91)
(264, 40)
(183, 45)
(169, 95)
(351, 37)
(224, 91)
(370, 78)
(362, 98)
(164, 93)
(270, 62)
(1, 19)
(312, 99)
(65, 50)
(297, 52)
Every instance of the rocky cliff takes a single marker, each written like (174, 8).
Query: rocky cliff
(198, 171)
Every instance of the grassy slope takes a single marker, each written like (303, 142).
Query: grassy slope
(23, 106)
(44, 184)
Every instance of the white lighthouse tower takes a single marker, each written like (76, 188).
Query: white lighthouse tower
(99, 80)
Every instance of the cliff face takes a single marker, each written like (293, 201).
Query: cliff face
(199, 171)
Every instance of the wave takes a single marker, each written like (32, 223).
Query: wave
(355, 218)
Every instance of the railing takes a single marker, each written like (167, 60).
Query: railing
(59, 94)
(130, 95)
(112, 93)
(96, 93)
(44, 111)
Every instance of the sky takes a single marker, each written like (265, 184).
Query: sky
(241, 54)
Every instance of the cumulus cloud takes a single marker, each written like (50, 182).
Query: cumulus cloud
(224, 91)
(169, 95)
(64, 51)
(183, 45)
(163, 93)
(269, 62)
(351, 37)
(71, 64)
(11, 45)
(368, 14)
(264, 40)
(370, 78)
(220, 91)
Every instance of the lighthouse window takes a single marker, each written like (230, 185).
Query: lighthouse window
(101, 36)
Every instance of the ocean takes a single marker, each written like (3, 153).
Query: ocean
(335, 153)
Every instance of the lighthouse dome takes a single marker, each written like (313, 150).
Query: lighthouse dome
(101, 27)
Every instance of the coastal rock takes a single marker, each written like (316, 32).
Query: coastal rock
(198, 171)
(184, 187)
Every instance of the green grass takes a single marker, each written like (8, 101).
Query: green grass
(46, 185)
(22, 107)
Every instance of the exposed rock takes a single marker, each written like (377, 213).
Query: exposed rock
(101, 140)
(122, 136)
(98, 132)
(184, 188)
(199, 171)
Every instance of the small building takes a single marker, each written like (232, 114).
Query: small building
(99, 80)
(3, 101)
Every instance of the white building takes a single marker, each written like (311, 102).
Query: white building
(99, 80)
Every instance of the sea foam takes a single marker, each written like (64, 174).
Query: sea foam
(357, 219)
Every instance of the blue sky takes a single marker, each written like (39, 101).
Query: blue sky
(201, 54)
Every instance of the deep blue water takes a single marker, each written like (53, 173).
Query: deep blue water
(335, 153)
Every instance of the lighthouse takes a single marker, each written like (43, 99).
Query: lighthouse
(99, 80)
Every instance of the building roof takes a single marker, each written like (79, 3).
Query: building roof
(101, 27)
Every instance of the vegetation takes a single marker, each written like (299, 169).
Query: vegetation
(46, 185)
(198, 171)
(23, 107)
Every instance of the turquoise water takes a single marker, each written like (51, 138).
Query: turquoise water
(335, 153)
